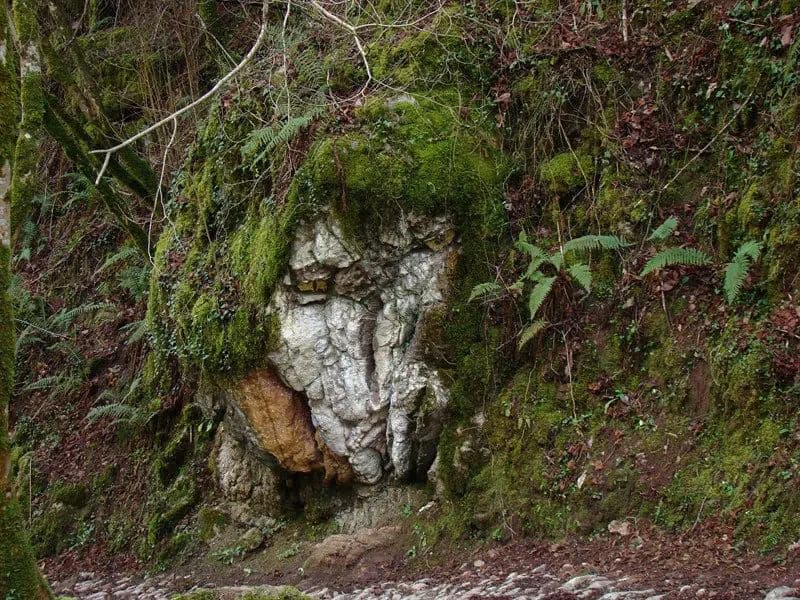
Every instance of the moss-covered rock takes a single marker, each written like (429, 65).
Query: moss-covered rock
(567, 171)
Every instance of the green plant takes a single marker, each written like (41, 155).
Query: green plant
(670, 257)
(229, 555)
(736, 270)
(121, 409)
(261, 142)
(545, 270)
(289, 552)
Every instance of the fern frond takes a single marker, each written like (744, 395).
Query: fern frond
(484, 289)
(265, 140)
(65, 317)
(123, 254)
(116, 411)
(675, 256)
(750, 249)
(587, 243)
(736, 270)
(533, 267)
(539, 294)
(57, 384)
(664, 230)
(582, 274)
(557, 260)
(136, 331)
(523, 245)
(530, 332)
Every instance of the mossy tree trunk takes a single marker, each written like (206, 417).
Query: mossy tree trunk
(67, 66)
(19, 574)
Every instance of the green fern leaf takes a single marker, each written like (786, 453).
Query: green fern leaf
(751, 250)
(539, 294)
(116, 411)
(123, 254)
(484, 289)
(587, 243)
(675, 256)
(736, 271)
(557, 260)
(533, 268)
(530, 332)
(65, 317)
(664, 230)
(263, 141)
(582, 274)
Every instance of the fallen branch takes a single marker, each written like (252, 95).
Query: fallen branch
(174, 116)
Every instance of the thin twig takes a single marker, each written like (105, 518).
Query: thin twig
(624, 21)
(159, 192)
(352, 29)
(286, 61)
(248, 57)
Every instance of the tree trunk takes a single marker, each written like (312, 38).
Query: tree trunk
(19, 574)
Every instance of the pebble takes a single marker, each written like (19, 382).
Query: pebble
(535, 584)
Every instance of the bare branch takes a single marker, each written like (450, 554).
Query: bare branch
(353, 30)
(248, 57)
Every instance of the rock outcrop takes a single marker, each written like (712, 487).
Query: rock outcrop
(348, 318)
(349, 392)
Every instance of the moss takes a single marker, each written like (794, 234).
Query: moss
(440, 54)
(782, 252)
(196, 595)
(75, 495)
(209, 522)
(567, 171)
(54, 528)
(284, 593)
(19, 575)
(171, 508)
(408, 156)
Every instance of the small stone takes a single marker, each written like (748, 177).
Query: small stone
(479, 564)
(622, 528)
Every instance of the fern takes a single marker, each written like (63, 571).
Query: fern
(265, 140)
(539, 294)
(122, 255)
(588, 243)
(582, 274)
(65, 317)
(664, 230)
(117, 411)
(557, 260)
(136, 331)
(675, 256)
(530, 332)
(524, 245)
(484, 289)
(61, 384)
(736, 270)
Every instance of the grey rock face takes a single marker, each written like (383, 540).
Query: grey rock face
(247, 484)
(349, 318)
